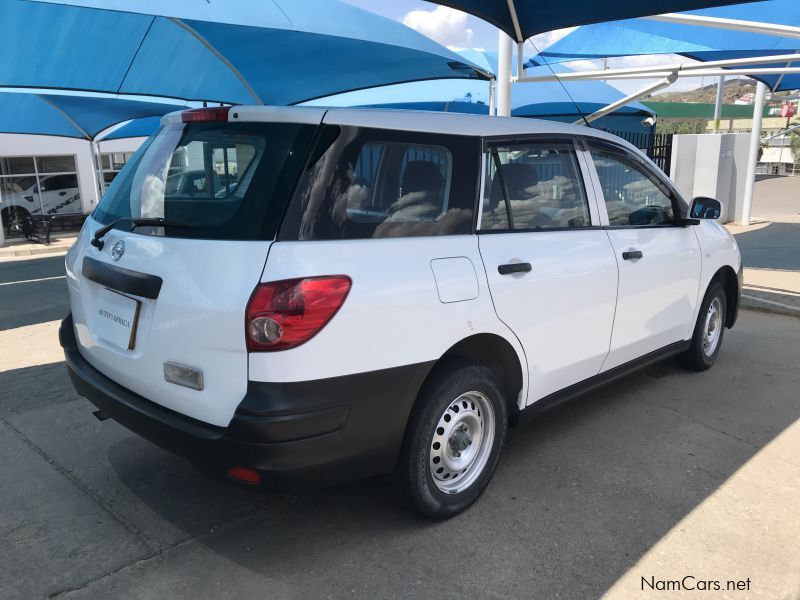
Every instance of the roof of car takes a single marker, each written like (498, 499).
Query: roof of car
(412, 120)
(452, 123)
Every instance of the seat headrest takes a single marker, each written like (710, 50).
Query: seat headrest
(422, 176)
(518, 177)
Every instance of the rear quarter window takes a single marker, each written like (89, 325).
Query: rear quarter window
(372, 183)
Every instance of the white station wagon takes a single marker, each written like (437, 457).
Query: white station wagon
(301, 296)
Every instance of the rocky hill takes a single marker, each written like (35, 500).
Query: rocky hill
(734, 88)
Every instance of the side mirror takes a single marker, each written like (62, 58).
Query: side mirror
(705, 208)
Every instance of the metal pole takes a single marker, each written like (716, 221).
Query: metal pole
(782, 132)
(752, 159)
(704, 69)
(504, 75)
(718, 104)
(789, 31)
(666, 82)
(611, 75)
(97, 178)
(492, 98)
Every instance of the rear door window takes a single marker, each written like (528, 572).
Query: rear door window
(533, 185)
(223, 180)
(370, 183)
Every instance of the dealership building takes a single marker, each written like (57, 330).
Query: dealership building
(50, 175)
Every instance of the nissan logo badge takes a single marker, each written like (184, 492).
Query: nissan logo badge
(118, 250)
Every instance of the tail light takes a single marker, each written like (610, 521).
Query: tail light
(215, 113)
(285, 314)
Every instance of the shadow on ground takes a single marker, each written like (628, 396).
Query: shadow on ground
(31, 388)
(776, 246)
(580, 495)
(29, 295)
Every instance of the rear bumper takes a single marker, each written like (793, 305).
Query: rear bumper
(299, 434)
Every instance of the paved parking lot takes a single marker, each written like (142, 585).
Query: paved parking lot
(664, 474)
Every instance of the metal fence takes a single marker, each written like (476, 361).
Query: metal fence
(658, 146)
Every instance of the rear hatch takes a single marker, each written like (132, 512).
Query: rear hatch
(167, 300)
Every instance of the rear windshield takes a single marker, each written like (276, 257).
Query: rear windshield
(223, 180)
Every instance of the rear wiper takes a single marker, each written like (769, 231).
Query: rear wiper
(97, 241)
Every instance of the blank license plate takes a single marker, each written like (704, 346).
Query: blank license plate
(117, 316)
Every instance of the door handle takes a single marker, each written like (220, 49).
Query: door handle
(632, 254)
(520, 267)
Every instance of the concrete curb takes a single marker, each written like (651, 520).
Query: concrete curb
(12, 253)
(22, 250)
(754, 303)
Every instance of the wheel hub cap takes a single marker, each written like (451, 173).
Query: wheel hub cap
(462, 442)
(713, 327)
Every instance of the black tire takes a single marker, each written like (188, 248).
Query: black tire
(697, 357)
(14, 219)
(474, 386)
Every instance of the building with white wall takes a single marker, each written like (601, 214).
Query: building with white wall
(41, 174)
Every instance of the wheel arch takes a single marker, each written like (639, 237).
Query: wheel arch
(726, 276)
(494, 352)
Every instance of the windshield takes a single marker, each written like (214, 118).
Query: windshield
(225, 180)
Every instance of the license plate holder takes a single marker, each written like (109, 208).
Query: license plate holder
(117, 318)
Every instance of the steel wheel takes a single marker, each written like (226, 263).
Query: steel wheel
(462, 442)
(15, 220)
(712, 329)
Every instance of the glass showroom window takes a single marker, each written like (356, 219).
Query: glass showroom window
(38, 185)
(112, 164)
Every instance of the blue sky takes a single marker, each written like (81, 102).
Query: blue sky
(458, 30)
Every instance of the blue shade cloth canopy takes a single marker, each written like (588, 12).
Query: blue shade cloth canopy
(143, 127)
(235, 51)
(642, 36)
(71, 116)
(543, 100)
(539, 16)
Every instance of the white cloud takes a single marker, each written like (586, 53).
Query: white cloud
(628, 86)
(543, 40)
(442, 24)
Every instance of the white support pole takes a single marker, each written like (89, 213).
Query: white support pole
(782, 132)
(492, 97)
(504, 75)
(97, 173)
(788, 31)
(701, 68)
(755, 144)
(718, 103)
(746, 72)
(666, 82)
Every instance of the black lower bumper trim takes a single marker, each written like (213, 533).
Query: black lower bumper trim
(300, 434)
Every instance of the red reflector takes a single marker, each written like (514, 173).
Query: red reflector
(285, 314)
(216, 113)
(245, 475)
